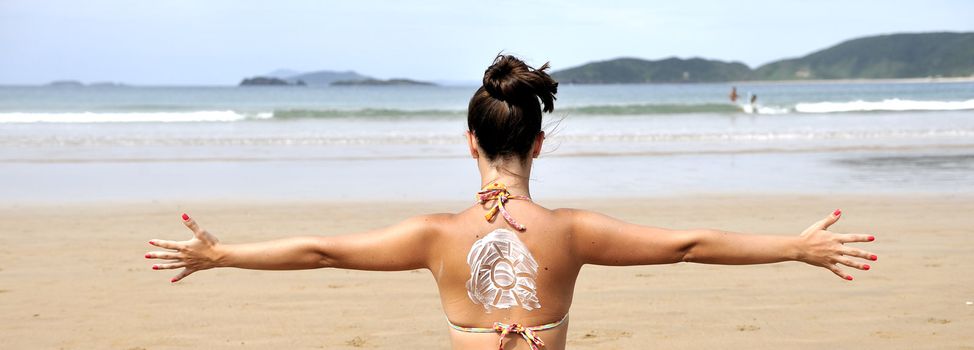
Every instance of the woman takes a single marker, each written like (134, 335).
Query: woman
(501, 280)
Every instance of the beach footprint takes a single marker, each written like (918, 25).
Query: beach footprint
(357, 342)
(747, 328)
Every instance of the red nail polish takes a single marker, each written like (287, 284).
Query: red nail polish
(873, 257)
(837, 212)
(150, 242)
(848, 278)
(148, 256)
(865, 267)
(172, 280)
(871, 238)
(185, 217)
(154, 267)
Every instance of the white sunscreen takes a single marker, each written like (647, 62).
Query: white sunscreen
(502, 272)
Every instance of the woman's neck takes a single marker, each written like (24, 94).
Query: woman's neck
(511, 173)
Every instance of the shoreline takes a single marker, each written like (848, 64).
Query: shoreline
(865, 81)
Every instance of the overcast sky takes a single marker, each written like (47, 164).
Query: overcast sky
(221, 41)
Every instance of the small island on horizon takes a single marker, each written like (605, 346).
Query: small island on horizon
(286, 77)
(266, 81)
(381, 82)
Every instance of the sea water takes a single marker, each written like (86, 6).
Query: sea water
(125, 143)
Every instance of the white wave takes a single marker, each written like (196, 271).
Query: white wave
(761, 109)
(884, 105)
(129, 117)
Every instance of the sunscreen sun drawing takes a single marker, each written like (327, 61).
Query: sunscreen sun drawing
(502, 272)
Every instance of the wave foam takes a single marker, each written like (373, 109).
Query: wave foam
(129, 117)
(884, 105)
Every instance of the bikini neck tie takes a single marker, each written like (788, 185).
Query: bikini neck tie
(526, 332)
(498, 193)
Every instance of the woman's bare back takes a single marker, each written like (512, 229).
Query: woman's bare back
(512, 292)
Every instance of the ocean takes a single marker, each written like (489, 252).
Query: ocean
(127, 143)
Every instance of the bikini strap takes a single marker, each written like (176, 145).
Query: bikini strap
(526, 332)
(504, 329)
(498, 193)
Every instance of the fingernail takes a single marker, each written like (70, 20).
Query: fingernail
(148, 256)
(185, 217)
(155, 267)
(172, 280)
(150, 242)
(837, 212)
(865, 267)
(871, 238)
(848, 278)
(873, 257)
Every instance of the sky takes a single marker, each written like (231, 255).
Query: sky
(219, 42)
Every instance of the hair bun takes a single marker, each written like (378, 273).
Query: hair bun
(511, 80)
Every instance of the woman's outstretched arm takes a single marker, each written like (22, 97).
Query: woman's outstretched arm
(404, 246)
(602, 240)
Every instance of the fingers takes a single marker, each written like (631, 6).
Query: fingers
(853, 238)
(181, 275)
(831, 219)
(169, 266)
(191, 224)
(838, 272)
(165, 255)
(850, 263)
(166, 244)
(859, 253)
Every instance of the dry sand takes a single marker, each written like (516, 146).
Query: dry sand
(73, 277)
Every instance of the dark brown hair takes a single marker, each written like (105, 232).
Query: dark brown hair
(505, 113)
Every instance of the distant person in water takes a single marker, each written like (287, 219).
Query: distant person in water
(506, 267)
(733, 94)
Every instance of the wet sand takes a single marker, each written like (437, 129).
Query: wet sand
(72, 276)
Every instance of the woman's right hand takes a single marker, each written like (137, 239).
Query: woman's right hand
(823, 248)
(198, 253)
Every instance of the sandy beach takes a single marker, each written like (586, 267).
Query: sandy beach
(72, 276)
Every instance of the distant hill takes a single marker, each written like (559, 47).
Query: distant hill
(66, 83)
(882, 57)
(876, 57)
(323, 77)
(326, 77)
(670, 70)
(269, 81)
(380, 82)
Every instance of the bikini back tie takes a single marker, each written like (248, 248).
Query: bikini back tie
(526, 332)
(498, 193)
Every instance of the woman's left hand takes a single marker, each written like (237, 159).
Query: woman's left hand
(198, 253)
(823, 248)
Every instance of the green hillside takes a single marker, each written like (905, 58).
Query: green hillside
(876, 57)
(882, 57)
(671, 70)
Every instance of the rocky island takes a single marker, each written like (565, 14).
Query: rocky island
(381, 82)
(267, 81)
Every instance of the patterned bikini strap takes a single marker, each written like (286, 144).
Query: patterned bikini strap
(497, 192)
(526, 332)
(504, 329)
